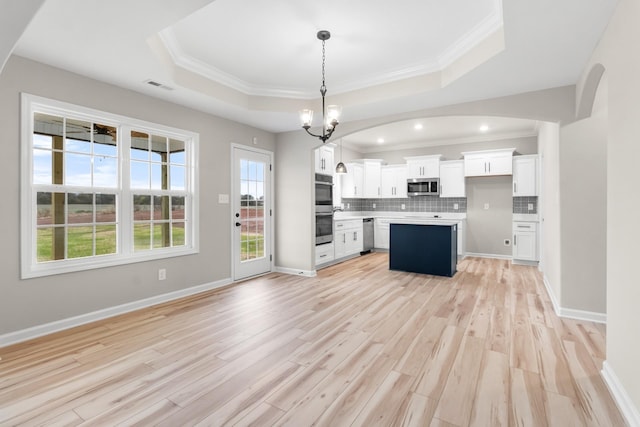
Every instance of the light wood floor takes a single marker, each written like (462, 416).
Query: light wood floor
(358, 345)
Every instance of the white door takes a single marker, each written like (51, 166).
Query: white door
(251, 195)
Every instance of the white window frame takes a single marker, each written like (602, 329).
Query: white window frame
(125, 254)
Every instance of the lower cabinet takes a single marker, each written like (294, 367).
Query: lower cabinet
(324, 253)
(525, 241)
(347, 238)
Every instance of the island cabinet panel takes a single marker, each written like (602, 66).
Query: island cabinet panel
(424, 248)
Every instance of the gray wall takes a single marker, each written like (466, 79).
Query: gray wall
(26, 303)
(488, 228)
(583, 195)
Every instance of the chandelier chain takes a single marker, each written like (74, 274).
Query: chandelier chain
(323, 85)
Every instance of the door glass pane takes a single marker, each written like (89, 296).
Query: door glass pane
(252, 210)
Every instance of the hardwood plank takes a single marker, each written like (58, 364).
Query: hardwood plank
(358, 344)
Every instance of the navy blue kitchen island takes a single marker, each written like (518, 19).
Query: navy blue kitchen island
(424, 248)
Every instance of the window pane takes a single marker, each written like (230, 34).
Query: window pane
(161, 207)
(158, 176)
(105, 172)
(45, 244)
(177, 231)
(158, 148)
(140, 175)
(79, 241)
(42, 141)
(78, 136)
(161, 238)
(176, 152)
(139, 146)
(51, 207)
(80, 208)
(47, 125)
(78, 169)
(42, 166)
(105, 208)
(142, 236)
(141, 208)
(177, 177)
(177, 207)
(104, 140)
(106, 239)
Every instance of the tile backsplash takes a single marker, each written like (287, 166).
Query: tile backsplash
(521, 205)
(411, 204)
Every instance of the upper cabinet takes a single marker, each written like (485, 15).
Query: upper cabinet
(372, 170)
(452, 179)
(423, 166)
(489, 162)
(324, 160)
(525, 175)
(393, 182)
(353, 180)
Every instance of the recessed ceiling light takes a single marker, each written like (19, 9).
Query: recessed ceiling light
(484, 128)
(380, 141)
(418, 126)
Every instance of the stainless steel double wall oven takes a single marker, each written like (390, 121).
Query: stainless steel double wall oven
(324, 209)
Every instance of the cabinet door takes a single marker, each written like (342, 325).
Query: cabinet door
(400, 189)
(324, 160)
(475, 166)
(500, 164)
(424, 168)
(387, 182)
(371, 184)
(524, 245)
(354, 241)
(352, 181)
(452, 179)
(340, 244)
(525, 176)
(381, 234)
(358, 180)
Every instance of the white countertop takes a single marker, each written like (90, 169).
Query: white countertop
(526, 217)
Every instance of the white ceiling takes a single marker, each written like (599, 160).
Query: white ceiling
(258, 61)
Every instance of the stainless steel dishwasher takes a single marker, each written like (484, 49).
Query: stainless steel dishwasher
(367, 235)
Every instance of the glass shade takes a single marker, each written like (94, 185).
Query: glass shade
(333, 114)
(341, 168)
(306, 116)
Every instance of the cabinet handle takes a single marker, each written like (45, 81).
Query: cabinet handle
(524, 226)
(489, 167)
(322, 256)
(515, 188)
(344, 238)
(514, 240)
(355, 236)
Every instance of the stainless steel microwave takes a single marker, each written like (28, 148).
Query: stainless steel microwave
(423, 187)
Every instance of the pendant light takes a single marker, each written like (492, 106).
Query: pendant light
(340, 167)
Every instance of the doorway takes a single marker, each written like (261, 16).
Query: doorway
(251, 211)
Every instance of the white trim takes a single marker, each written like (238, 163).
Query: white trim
(496, 256)
(570, 313)
(296, 272)
(620, 395)
(83, 319)
(125, 254)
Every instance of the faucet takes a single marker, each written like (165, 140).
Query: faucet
(338, 208)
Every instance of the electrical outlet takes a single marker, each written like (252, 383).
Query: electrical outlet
(530, 206)
(374, 206)
(162, 274)
(348, 205)
(507, 242)
(455, 206)
(402, 206)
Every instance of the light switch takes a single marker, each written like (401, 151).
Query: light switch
(486, 206)
(223, 198)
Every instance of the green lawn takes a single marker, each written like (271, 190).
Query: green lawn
(80, 240)
(251, 246)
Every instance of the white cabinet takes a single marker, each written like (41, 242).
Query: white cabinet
(452, 179)
(489, 162)
(423, 166)
(324, 253)
(393, 181)
(525, 176)
(352, 181)
(324, 160)
(525, 241)
(347, 237)
(372, 171)
(381, 233)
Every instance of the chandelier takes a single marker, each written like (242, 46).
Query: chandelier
(331, 113)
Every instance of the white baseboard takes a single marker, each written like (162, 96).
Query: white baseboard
(60, 325)
(296, 272)
(620, 395)
(570, 313)
(477, 255)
